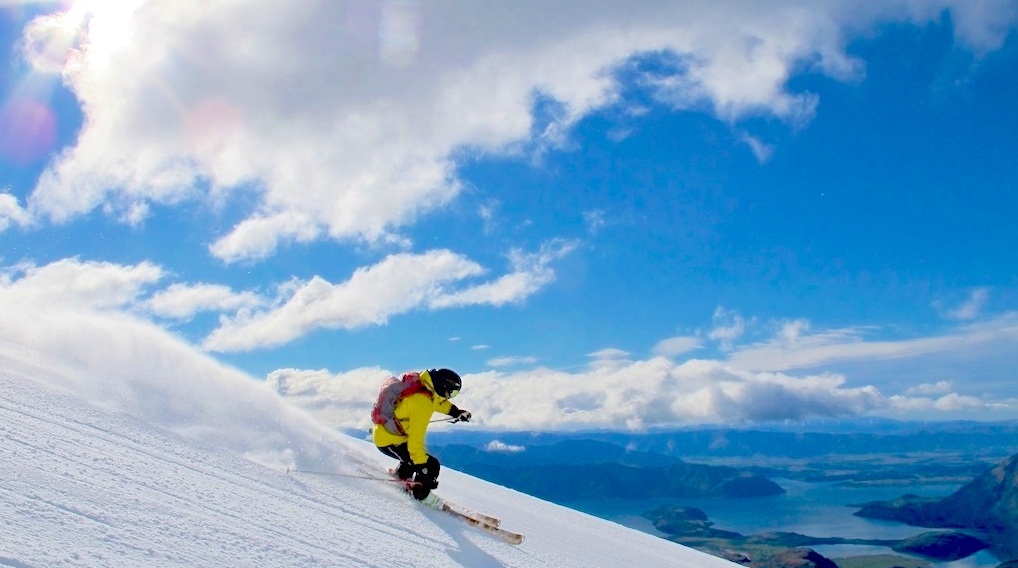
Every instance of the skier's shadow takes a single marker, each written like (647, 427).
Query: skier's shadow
(466, 552)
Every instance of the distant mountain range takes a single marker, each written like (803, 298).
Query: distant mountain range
(588, 469)
(799, 440)
(988, 503)
(593, 465)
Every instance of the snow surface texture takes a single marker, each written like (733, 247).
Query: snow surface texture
(109, 471)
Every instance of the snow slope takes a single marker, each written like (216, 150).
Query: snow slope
(112, 471)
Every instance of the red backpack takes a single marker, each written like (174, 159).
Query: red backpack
(394, 390)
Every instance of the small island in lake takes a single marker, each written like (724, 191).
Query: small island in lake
(690, 526)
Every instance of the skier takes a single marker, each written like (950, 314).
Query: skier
(401, 419)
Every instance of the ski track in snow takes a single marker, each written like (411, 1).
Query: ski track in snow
(83, 485)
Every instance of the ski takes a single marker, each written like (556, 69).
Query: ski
(486, 523)
(496, 531)
(486, 519)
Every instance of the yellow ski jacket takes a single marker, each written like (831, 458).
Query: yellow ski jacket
(414, 413)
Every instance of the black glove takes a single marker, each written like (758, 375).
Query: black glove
(405, 471)
(459, 414)
(426, 474)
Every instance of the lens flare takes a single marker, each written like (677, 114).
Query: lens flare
(28, 130)
(399, 33)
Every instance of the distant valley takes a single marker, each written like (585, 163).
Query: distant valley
(737, 463)
(588, 469)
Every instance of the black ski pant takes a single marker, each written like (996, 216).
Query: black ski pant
(426, 474)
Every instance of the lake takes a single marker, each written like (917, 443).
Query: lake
(814, 509)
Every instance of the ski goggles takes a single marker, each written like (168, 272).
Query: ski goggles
(453, 393)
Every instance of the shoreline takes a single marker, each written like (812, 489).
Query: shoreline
(811, 507)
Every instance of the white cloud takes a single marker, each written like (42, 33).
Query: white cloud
(784, 353)
(182, 301)
(343, 119)
(970, 308)
(499, 446)
(47, 41)
(398, 284)
(608, 358)
(795, 347)
(761, 150)
(675, 346)
(947, 403)
(78, 284)
(261, 234)
(487, 213)
(655, 392)
(511, 361)
(531, 272)
(11, 212)
(925, 389)
(609, 353)
(340, 399)
(983, 26)
(729, 326)
(633, 395)
(955, 401)
(594, 220)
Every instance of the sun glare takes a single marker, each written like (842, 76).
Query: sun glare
(107, 22)
(96, 27)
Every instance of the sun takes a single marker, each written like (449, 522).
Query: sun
(106, 23)
(96, 29)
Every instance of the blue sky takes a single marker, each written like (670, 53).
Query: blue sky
(602, 214)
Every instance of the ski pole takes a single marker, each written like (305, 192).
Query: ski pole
(336, 474)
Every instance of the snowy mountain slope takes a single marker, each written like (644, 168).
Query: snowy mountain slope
(87, 484)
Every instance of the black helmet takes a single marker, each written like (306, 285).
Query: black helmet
(447, 383)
